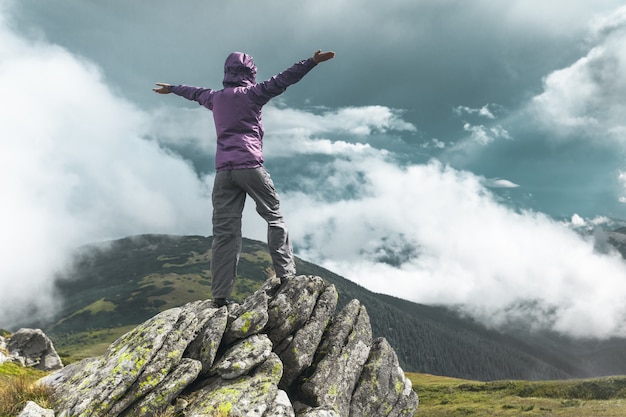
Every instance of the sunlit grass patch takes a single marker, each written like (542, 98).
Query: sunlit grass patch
(443, 396)
(18, 385)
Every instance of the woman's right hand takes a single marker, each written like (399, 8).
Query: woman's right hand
(162, 89)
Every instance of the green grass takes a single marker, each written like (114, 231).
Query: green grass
(442, 396)
(81, 345)
(17, 387)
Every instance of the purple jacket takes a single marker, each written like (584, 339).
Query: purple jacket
(237, 108)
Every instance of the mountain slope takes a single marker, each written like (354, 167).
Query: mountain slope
(124, 282)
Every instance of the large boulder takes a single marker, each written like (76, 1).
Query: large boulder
(281, 353)
(382, 388)
(297, 352)
(133, 366)
(339, 360)
(31, 347)
(4, 353)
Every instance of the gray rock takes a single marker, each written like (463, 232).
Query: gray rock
(189, 323)
(245, 396)
(319, 412)
(92, 387)
(31, 347)
(339, 360)
(271, 286)
(383, 389)
(280, 407)
(4, 353)
(61, 380)
(249, 318)
(132, 366)
(167, 391)
(292, 306)
(243, 357)
(298, 353)
(204, 347)
(34, 410)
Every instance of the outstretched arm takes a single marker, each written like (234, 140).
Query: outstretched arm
(204, 96)
(320, 56)
(162, 89)
(265, 91)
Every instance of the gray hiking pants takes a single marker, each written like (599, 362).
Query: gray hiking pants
(229, 195)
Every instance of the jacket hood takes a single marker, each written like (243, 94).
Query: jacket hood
(239, 70)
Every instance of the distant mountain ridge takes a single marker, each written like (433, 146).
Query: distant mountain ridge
(121, 283)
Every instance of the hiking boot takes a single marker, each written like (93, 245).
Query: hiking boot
(221, 302)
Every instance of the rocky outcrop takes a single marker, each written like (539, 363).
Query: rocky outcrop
(282, 352)
(30, 347)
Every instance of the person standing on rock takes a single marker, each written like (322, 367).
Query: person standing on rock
(239, 163)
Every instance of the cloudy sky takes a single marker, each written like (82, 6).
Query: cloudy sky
(452, 152)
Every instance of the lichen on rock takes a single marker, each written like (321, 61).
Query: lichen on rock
(243, 356)
(383, 389)
(245, 396)
(339, 360)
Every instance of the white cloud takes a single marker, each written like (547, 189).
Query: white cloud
(499, 183)
(457, 245)
(174, 126)
(578, 221)
(365, 120)
(483, 111)
(588, 96)
(292, 131)
(484, 135)
(602, 26)
(434, 143)
(622, 180)
(555, 16)
(353, 120)
(75, 169)
(480, 134)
